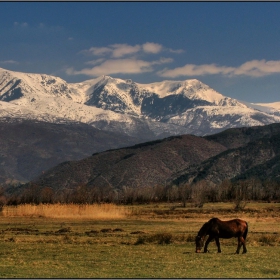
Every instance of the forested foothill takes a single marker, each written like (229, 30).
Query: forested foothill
(239, 164)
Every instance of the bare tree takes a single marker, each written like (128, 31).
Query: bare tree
(185, 191)
(241, 194)
(3, 199)
(46, 195)
(199, 193)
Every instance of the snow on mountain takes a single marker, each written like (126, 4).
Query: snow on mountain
(144, 110)
(15, 84)
(218, 118)
(41, 94)
(269, 108)
(273, 105)
(192, 89)
(51, 99)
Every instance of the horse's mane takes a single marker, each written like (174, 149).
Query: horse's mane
(204, 229)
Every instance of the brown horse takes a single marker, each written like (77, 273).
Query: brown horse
(216, 229)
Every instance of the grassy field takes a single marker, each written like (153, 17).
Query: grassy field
(142, 241)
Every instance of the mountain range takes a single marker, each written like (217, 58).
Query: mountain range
(41, 115)
(146, 111)
(237, 153)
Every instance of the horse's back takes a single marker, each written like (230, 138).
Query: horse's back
(228, 229)
(233, 221)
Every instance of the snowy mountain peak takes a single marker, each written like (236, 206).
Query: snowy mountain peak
(192, 89)
(156, 109)
(15, 85)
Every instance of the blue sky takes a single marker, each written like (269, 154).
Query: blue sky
(234, 47)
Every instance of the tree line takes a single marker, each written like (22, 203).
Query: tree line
(197, 193)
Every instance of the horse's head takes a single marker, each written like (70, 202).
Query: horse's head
(199, 242)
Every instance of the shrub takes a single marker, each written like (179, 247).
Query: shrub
(140, 240)
(159, 238)
(269, 239)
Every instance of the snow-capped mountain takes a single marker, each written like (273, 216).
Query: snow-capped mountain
(147, 111)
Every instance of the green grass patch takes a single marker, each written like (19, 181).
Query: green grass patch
(139, 246)
(63, 260)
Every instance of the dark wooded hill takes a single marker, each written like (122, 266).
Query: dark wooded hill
(174, 160)
(27, 148)
(256, 159)
(141, 165)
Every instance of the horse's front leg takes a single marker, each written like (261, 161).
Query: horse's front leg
(207, 243)
(218, 244)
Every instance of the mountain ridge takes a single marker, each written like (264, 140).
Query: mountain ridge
(124, 110)
(237, 152)
(164, 108)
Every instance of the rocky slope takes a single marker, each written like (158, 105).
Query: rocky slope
(174, 160)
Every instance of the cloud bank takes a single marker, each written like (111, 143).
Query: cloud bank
(121, 50)
(130, 59)
(119, 66)
(122, 59)
(253, 68)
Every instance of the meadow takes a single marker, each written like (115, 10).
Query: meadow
(138, 241)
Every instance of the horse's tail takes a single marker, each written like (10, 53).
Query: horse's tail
(246, 231)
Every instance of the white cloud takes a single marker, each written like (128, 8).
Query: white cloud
(162, 60)
(121, 58)
(115, 51)
(195, 70)
(124, 58)
(152, 48)
(9, 62)
(97, 51)
(21, 24)
(95, 61)
(121, 50)
(258, 68)
(117, 66)
(40, 28)
(254, 68)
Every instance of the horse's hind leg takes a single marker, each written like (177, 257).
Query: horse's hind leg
(218, 244)
(244, 245)
(241, 242)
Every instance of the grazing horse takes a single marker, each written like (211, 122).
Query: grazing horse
(216, 229)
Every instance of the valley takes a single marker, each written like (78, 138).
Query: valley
(154, 240)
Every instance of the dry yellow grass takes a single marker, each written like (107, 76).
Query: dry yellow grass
(90, 211)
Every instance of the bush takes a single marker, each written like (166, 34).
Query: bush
(159, 238)
(269, 239)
